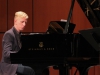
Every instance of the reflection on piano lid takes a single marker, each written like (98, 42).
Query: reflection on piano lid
(58, 27)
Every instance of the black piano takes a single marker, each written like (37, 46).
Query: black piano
(40, 50)
(60, 47)
(53, 48)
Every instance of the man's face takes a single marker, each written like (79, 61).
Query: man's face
(20, 23)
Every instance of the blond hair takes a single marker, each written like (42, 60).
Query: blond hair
(21, 14)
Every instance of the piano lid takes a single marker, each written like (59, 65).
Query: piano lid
(91, 8)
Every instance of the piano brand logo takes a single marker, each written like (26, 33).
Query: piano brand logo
(41, 47)
(31, 49)
(40, 44)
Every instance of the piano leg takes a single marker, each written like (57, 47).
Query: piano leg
(64, 69)
(83, 70)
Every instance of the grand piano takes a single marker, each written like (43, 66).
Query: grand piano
(62, 51)
(59, 47)
(40, 50)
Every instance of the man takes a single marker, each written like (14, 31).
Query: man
(11, 44)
